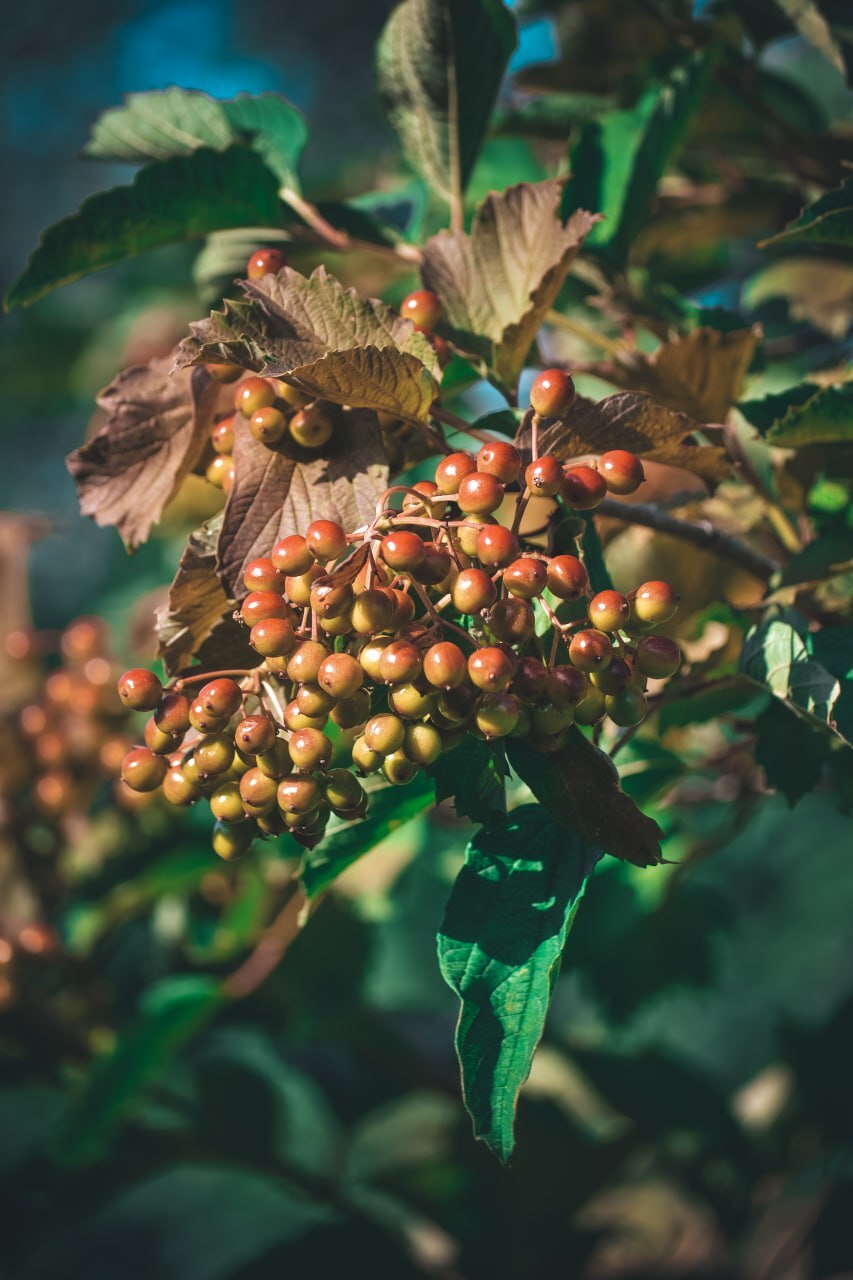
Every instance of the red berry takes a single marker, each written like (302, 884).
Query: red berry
(402, 550)
(423, 308)
(658, 657)
(479, 493)
(265, 262)
(142, 770)
(472, 591)
(445, 665)
(583, 488)
(292, 555)
(340, 675)
(327, 539)
(417, 506)
(500, 459)
(496, 545)
(304, 663)
(268, 425)
(544, 476)
(255, 734)
(253, 394)
(566, 686)
(609, 610)
(330, 599)
(222, 435)
(530, 680)
(491, 668)
(566, 577)
(590, 650)
(512, 620)
(312, 427)
(220, 697)
(434, 567)
(259, 605)
(310, 749)
(452, 470)
(654, 602)
(623, 471)
(552, 393)
(140, 689)
(258, 792)
(172, 714)
(400, 662)
(526, 577)
(262, 575)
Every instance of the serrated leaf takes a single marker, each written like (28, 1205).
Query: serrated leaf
(579, 786)
(440, 64)
(167, 202)
(777, 657)
(824, 418)
(275, 493)
(766, 412)
(499, 948)
(379, 378)
(631, 420)
(472, 776)
(619, 159)
(388, 809)
(498, 282)
(156, 429)
(828, 221)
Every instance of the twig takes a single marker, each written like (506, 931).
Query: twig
(271, 947)
(342, 241)
(459, 424)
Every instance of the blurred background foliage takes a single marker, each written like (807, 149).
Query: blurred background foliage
(689, 1112)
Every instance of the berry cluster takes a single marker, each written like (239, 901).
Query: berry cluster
(382, 647)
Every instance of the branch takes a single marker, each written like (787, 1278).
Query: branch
(271, 947)
(339, 240)
(701, 533)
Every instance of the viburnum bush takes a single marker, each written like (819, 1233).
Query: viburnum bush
(405, 596)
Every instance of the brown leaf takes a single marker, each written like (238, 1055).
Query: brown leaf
(498, 282)
(274, 494)
(155, 432)
(700, 374)
(631, 420)
(379, 378)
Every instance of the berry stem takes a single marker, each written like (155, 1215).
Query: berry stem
(459, 424)
(341, 240)
(200, 677)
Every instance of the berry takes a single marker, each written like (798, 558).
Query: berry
(452, 470)
(310, 749)
(614, 679)
(313, 701)
(497, 715)
(253, 394)
(418, 506)
(225, 372)
(299, 795)
(327, 539)
(654, 603)
(491, 668)
(423, 308)
(473, 591)
(276, 762)
(292, 555)
(331, 600)
(231, 842)
(465, 535)
(259, 605)
(434, 567)
(658, 657)
(340, 675)
(565, 686)
(623, 471)
(272, 638)
(294, 719)
(268, 425)
(496, 545)
(398, 768)
(365, 758)
(590, 650)
(343, 791)
(626, 708)
(348, 713)
(258, 792)
(500, 459)
(291, 395)
(530, 680)
(544, 476)
(220, 697)
(265, 262)
(156, 739)
(400, 663)
(142, 770)
(304, 663)
(583, 488)
(552, 393)
(526, 577)
(445, 665)
(410, 700)
(591, 708)
(311, 427)
(139, 689)
(220, 472)
(512, 620)
(384, 734)
(204, 721)
(456, 705)
(214, 754)
(479, 493)
(222, 436)
(298, 588)
(255, 734)
(609, 610)
(262, 575)
(178, 790)
(402, 550)
(566, 578)
(372, 611)
(549, 718)
(226, 803)
(422, 744)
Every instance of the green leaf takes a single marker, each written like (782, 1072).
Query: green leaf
(833, 649)
(379, 378)
(440, 64)
(825, 418)
(472, 775)
(168, 201)
(619, 159)
(813, 26)
(224, 255)
(789, 751)
(177, 122)
(828, 221)
(553, 115)
(765, 413)
(499, 948)
(579, 786)
(776, 656)
(171, 1012)
(389, 809)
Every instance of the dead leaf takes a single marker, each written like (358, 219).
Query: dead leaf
(379, 378)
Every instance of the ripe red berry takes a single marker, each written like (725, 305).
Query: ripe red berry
(552, 393)
(312, 427)
(272, 638)
(402, 550)
(253, 394)
(566, 686)
(623, 471)
(544, 476)
(479, 493)
(172, 714)
(417, 506)
(265, 262)
(445, 665)
(583, 488)
(423, 308)
(304, 663)
(220, 697)
(658, 657)
(262, 575)
(268, 425)
(255, 734)
(566, 577)
(530, 680)
(400, 662)
(654, 602)
(204, 720)
(310, 749)
(340, 675)
(609, 610)
(139, 689)
(496, 545)
(526, 577)
(327, 539)
(452, 470)
(299, 795)
(292, 555)
(258, 792)
(259, 605)
(590, 650)
(491, 668)
(222, 435)
(501, 459)
(434, 567)
(512, 620)
(404, 608)
(473, 591)
(142, 770)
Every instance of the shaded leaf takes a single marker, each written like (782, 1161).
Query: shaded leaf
(828, 221)
(498, 282)
(579, 786)
(168, 201)
(818, 291)
(777, 657)
(156, 430)
(472, 776)
(554, 115)
(440, 64)
(766, 412)
(789, 751)
(824, 418)
(832, 647)
(380, 378)
(499, 948)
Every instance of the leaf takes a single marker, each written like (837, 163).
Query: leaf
(766, 412)
(472, 776)
(816, 290)
(223, 258)
(498, 282)
(275, 494)
(171, 1011)
(579, 786)
(832, 647)
(289, 320)
(619, 159)
(168, 201)
(388, 809)
(789, 751)
(156, 430)
(176, 122)
(631, 420)
(700, 374)
(828, 221)
(553, 115)
(440, 64)
(777, 657)
(825, 418)
(813, 26)
(499, 949)
(379, 378)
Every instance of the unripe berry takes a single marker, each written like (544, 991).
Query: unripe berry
(231, 842)
(472, 591)
(434, 567)
(298, 588)
(258, 792)
(590, 650)
(552, 393)
(348, 713)
(265, 262)
(292, 555)
(293, 396)
(658, 657)
(142, 770)
(220, 472)
(253, 394)
(465, 535)
(220, 697)
(214, 754)
(583, 488)
(422, 744)
(262, 575)
(225, 372)
(255, 734)
(544, 476)
(452, 470)
(156, 740)
(512, 620)
(400, 663)
(304, 663)
(259, 605)
(626, 708)
(530, 679)
(402, 550)
(566, 577)
(226, 803)
(342, 790)
(272, 638)
(222, 436)
(423, 308)
(501, 459)
(456, 705)
(491, 669)
(294, 719)
(444, 665)
(384, 734)
(480, 494)
(549, 718)
(310, 749)
(565, 686)
(609, 610)
(314, 701)
(614, 679)
(299, 794)
(330, 599)
(496, 546)
(139, 689)
(365, 758)
(276, 762)
(411, 701)
(340, 675)
(370, 656)
(623, 471)
(591, 707)
(404, 608)
(312, 427)
(398, 768)
(372, 611)
(268, 425)
(497, 714)
(178, 790)
(654, 603)
(526, 577)
(205, 721)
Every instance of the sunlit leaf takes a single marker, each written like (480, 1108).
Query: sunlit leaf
(776, 656)
(380, 378)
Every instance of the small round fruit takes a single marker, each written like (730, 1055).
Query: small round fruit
(226, 803)
(466, 533)
(372, 611)
(609, 610)
(434, 567)
(402, 550)
(452, 470)
(623, 471)
(496, 546)
(614, 678)
(231, 842)
(497, 714)
(204, 720)
(549, 718)
(139, 689)
(220, 472)
(156, 739)
(479, 493)
(400, 663)
(259, 605)
(544, 477)
(265, 262)
(512, 620)
(444, 665)
(626, 708)
(457, 705)
(566, 686)
(262, 575)
(225, 372)
(501, 459)
(398, 768)
(657, 657)
(330, 599)
(178, 790)
(276, 762)
(310, 749)
(298, 588)
(654, 603)
(349, 713)
(583, 488)
(222, 435)
(419, 506)
(423, 308)
(304, 663)
(220, 697)
(272, 638)
(326, 539)
(253, 394)
(384, 734)
(590, 650)
(411, 701)
(365, 759)
(530, 679)
(342, 789)
(591, 707)
(268, 425)
(142, 770)
(526, 577)
(491, 668)
(255, 734)
(292, 555)
(370, 655)
(299, 794)
(311, 427)
(340, 675)
(257, 791)
(291, 395)
(552, 393)
(473, 591)
(214, 754)
(422, 743)
(566, 577)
